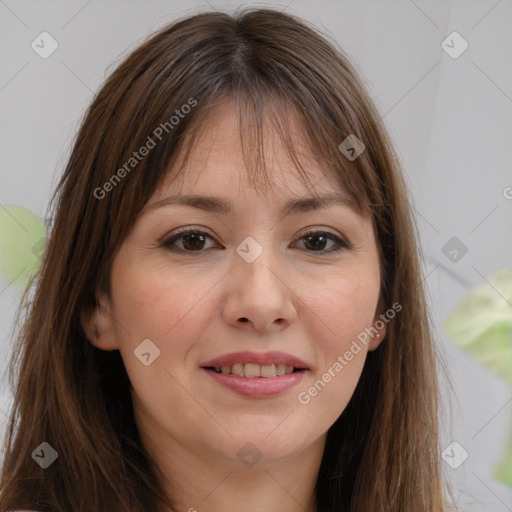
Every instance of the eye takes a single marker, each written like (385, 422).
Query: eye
(316, 241)
(192, 240)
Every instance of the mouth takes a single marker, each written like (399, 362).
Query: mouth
(254, 375)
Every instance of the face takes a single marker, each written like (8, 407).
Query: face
(256, 285)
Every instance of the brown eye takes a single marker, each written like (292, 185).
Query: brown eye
(318, 241)
(188, 241)
(315, 242)
(193, 241)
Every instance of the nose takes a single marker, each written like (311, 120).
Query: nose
(259, 295)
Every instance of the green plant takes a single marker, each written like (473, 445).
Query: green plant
(481, 324)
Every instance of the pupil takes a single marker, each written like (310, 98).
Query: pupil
(195, 239)
(320, 245)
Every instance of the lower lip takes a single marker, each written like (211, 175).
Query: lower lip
(258, 387)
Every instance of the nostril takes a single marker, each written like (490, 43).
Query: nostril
(243, 319)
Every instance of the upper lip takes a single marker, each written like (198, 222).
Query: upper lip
(263, 358)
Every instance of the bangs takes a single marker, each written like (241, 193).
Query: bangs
(265, 120)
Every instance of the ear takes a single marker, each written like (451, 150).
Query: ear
(98, 324)
(380, 326)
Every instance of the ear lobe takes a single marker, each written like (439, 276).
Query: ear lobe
(380, 326)
(98, 325)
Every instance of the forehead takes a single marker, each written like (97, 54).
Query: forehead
(223, 160)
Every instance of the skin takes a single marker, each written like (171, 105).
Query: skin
(190, 304)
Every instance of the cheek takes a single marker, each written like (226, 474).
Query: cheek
(342, 308)
(338, 315)
(171, 309)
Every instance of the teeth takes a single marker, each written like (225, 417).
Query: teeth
(252, 371)
(280, 369)
(238, 369)
(268, 370)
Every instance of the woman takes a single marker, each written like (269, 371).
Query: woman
(230, 307)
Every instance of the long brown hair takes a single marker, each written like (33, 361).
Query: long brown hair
(382, 453)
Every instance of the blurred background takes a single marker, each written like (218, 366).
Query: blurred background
(440, 73)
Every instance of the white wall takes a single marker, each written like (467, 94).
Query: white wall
(450, 119)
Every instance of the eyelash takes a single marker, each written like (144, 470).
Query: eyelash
(339, 243)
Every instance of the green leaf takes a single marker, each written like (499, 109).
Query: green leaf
(22, 241)
(482, 325)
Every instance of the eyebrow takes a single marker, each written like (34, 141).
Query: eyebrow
(222, 207)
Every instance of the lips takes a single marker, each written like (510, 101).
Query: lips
(256, 375)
